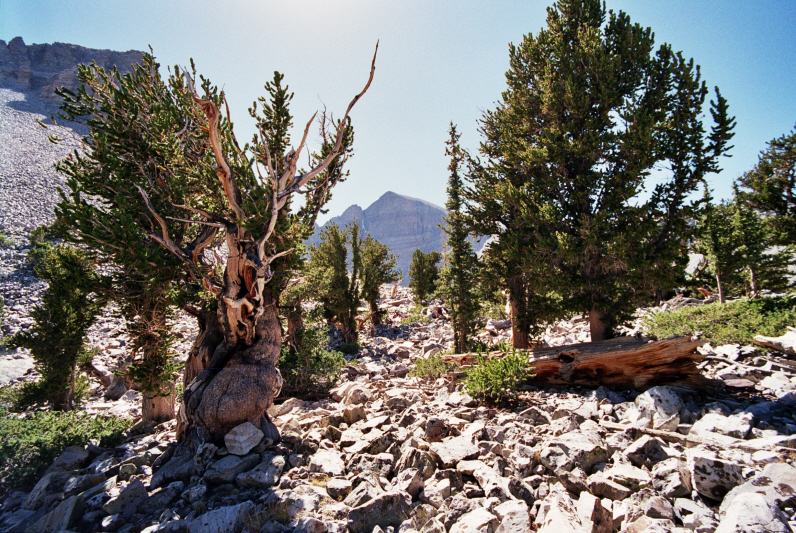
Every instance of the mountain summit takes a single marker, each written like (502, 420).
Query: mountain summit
(402, 223)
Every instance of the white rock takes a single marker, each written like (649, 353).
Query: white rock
(753, 513)
(241, 439)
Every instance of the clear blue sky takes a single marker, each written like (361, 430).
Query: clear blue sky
(439, 61)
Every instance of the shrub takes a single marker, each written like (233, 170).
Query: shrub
(431, 367)
(416, 317)
(423, 273)
(30, 442)
(309, 367)
(730, 323)
(496, 379)
(5, 241)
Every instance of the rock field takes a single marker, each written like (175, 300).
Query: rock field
(389, 453)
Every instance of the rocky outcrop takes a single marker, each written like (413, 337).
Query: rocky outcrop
(402, 223)
(44, 67)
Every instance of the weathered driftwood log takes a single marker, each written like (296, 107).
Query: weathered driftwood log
(622, 362)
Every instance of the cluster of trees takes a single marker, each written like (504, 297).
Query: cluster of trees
(589, 183)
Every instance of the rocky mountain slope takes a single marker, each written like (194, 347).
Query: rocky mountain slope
(402, 223)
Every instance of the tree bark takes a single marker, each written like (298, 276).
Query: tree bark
(720, 286)
(620, 362)
(158, 408)
(597, 326)
(753, 280)
(519, 333)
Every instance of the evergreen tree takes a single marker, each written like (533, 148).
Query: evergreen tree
(423, 273)
(161, 166)
(720, 241)
(457, 278)
(68, 308)
(590, 109)
(378, 267)
(770, 188)
(335, 285)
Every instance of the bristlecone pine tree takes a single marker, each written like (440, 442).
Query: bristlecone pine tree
(770, 188)
(378, 268)
(424, 273)
(456, 283)
(247, 202)
(590, 109)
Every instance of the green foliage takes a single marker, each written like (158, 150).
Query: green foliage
(41, 243)
(350, 347)
(336, 287)
(497, 379)
(770, 187)
(424, 273)
(590, 109)
(456, 283)
(68, 307)
(378, 267)
(740, 251)
(732, 323)
(5, 241)
(415, 317)
(431, 367)
(30, 442)
(310, 367)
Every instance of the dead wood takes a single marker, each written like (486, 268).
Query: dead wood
(622, 362)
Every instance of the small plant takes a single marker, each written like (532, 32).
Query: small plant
(431, 367)
(416, 317)
(730, 323)
(30, 442)
(6, 241)
(497, 379)
(349, 348)
(309, 367)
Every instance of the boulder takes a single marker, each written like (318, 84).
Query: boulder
(265, 474)
(514, 517)
(243, 438)
(385, 510)
(328, 462)
(128, 500)
(61, 518)
(753, 513)
(777, 483)
(737, 426)
(476, 521)
(646, 451)
(224, 520)
(228, 467)
(453, 450)
(711, 476)
(661, 407)
(571, 449)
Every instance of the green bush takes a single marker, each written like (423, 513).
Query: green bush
(309, 367)
(31, 441)
(730, 323)
(415, 317)
(5, 241)
(497, 379)
(431, 367)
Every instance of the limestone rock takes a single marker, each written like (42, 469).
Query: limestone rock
(661, 406)
(453, 450)
(224, 520)
(737, 426)
(711, 476)
(571, 449)
(265, 474)
(388, 509)
(777, 482)
(477, 521)
(753, 513)
(60, 518)
(514, 517)
(128, 500)
(243, 438)
(228, 467)
(327, 462)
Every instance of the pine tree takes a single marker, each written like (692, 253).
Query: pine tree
(720, 241)
(168, 172)
(590, 109)
(456, 283)
(423, 273)
(378, 267)
(770, 187)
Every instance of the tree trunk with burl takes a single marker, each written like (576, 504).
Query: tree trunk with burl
(231, 375)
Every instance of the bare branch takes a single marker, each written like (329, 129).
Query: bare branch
(202, 222)
(300, 180)
(165, 240)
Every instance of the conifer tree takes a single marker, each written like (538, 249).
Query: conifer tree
(378, 267)
(167, 169)
(456, 283)
(770, 188)
(423, 273)
(720, 241)
(590, 109)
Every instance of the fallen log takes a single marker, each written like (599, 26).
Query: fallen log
(623, 362)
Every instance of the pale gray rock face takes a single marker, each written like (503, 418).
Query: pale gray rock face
(737, 426)
(661, 406)
(228, 467)
(402, 223)
(385, 510)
